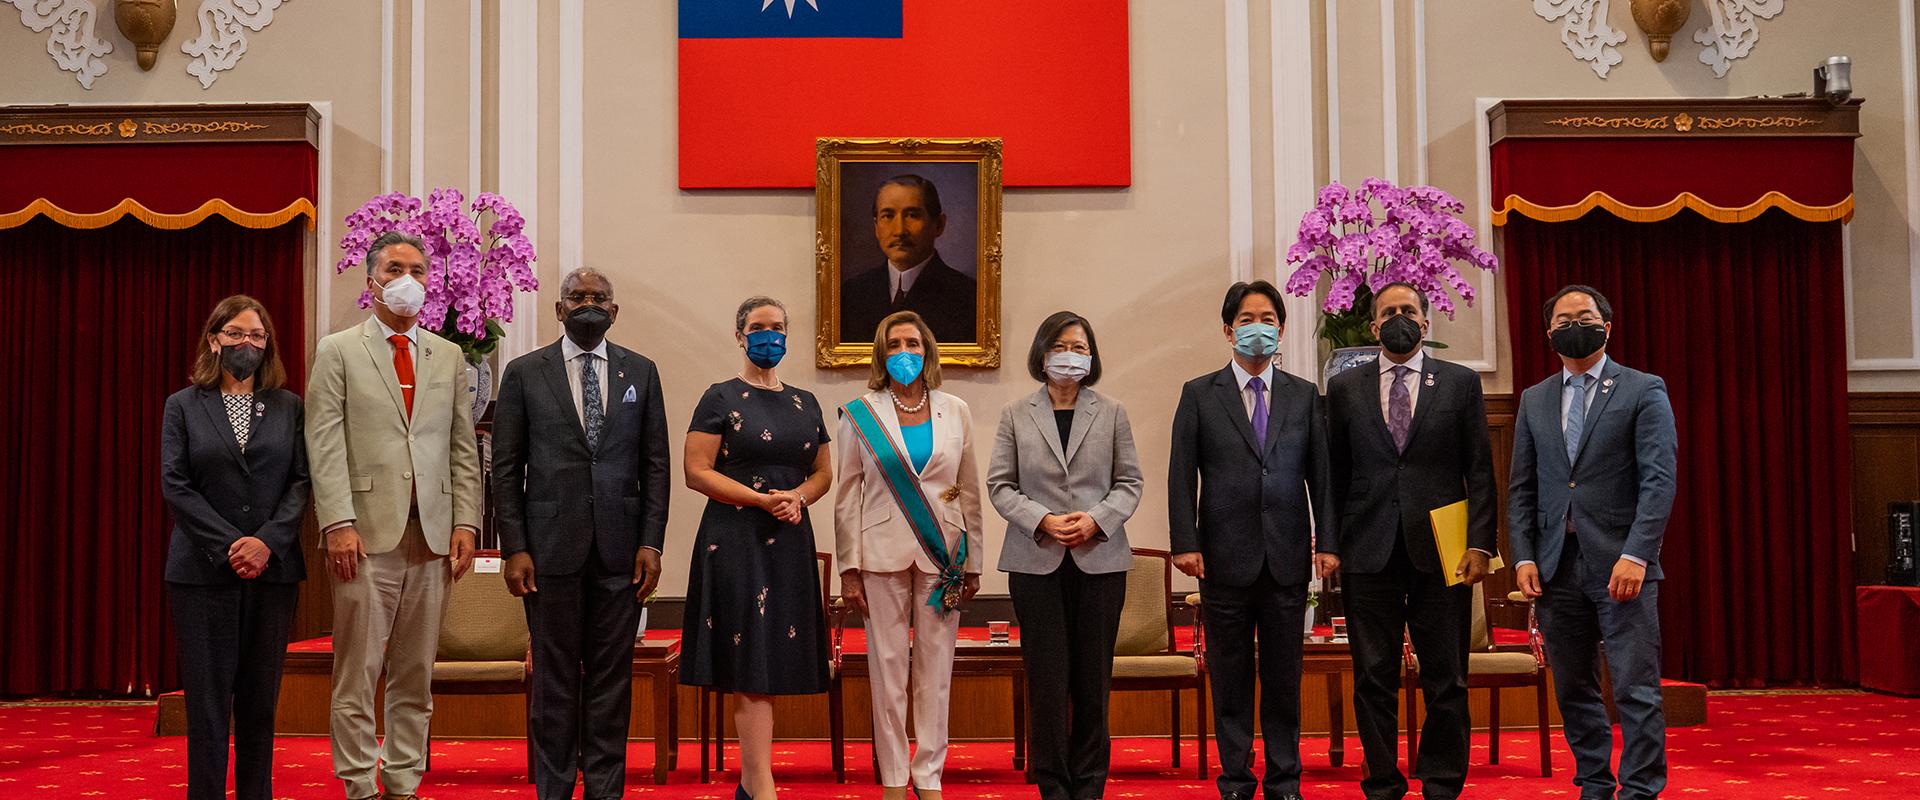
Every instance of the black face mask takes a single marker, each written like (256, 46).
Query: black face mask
(587, 325)
(1400, 334)
(241, 360)
(1577, 340)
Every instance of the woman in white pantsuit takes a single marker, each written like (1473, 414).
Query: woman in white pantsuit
(907, 525)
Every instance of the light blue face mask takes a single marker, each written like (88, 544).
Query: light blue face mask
(904, 367)
(1256, 340)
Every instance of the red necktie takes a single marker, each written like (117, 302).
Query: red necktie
(403, 368)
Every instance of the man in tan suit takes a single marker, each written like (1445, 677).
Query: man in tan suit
(397, 491)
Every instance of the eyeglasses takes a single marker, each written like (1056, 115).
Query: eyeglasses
(585, 298)
(236, 336)
(1588, 318)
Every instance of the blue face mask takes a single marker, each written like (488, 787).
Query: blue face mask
(1256, 340)
(904, 367)
(765, 348)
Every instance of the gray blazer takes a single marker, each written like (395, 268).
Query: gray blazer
(1619, 492)
(1032, 476)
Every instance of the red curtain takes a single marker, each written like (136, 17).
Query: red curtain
(1746, 322)
(100, 329)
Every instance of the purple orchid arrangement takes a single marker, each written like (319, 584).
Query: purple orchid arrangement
(471, 277)
(1363, 239)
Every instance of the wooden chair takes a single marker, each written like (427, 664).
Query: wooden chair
(1145, 657)
(1492, 668)
(483, 646)
(716, 700)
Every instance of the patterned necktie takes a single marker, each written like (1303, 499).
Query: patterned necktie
(590, 400)
(1400, 408)
(1576, 415)
(403, 369)
(1259, 389)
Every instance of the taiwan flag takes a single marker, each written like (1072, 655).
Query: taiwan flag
(761, 79)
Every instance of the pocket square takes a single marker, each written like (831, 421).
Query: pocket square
(632, 397)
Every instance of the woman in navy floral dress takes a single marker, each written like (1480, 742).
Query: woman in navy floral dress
(754, 625)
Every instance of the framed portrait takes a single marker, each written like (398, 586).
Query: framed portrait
(908, 224)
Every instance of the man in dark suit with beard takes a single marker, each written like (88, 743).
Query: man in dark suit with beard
(907, 219)
(1408, 435)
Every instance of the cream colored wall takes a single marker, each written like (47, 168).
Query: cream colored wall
(1145, 264)
(1500, 49)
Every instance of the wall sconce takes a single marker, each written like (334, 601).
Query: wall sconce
(1659, 19)
(146, 23)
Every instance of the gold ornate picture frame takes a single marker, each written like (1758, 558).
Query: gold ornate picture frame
(958, 181)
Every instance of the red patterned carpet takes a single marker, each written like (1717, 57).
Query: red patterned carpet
(1828, 745)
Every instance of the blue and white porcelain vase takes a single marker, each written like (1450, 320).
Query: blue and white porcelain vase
(479, 387)
(1346, 358)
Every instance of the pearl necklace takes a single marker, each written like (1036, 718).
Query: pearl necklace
(903, 406)
(777, 386)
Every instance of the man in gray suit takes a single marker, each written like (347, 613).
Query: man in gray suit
(1594, 453)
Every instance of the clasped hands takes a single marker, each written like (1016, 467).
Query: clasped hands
(786, 505)
(1070, 530)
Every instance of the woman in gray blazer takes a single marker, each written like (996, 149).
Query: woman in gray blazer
(1065, 477)
(233, 470)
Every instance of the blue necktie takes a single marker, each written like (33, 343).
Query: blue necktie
(590, 401)
(1259, 389)
(1576, 415)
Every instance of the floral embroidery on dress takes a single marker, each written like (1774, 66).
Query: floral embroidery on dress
(736, 640)
(734, 419)
(712, 547)
(745, 395)
(769, 541)
(792, 633)
(766, 435)
(709, 623)
(797, 404)
(758, 482)
(761, 600)
(806, 445)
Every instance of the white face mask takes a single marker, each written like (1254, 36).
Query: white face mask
(1068, 367)
(404, 296)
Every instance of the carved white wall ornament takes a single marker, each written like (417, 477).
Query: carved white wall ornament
(1733, 32)
(72, 44)
(1584, 30)
(222, 41)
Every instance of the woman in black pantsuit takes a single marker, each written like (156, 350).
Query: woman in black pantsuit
(754, 625)
(234, 475)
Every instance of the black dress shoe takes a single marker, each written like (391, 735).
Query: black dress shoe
(1288, 796)
(1234, 796)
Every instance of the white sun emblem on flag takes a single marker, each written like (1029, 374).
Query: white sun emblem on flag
(766, 4)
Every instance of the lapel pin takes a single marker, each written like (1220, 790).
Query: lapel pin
(1606, 386)
(1429, 379)
(259, 409)
(620, 374)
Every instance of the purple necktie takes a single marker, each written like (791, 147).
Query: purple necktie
(1399, 408)
(1259, 389)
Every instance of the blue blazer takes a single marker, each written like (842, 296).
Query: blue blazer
(218, 494)
(1620, 490)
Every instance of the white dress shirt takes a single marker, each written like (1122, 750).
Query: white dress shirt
(1246, 395)
(573, 354)
(900, 281)
(1418, 364)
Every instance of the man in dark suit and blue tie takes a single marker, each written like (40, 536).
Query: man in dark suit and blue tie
(580, 482)
(1594, 454)
(1247, 488)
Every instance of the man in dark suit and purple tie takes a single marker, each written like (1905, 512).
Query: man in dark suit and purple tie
(1248, 487)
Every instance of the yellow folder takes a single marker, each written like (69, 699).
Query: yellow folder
(1450, 535)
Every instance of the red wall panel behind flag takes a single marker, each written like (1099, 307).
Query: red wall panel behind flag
(1048, 77)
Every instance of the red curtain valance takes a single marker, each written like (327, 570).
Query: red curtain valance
(1726, 159)
(1650, 179)
(167, 185)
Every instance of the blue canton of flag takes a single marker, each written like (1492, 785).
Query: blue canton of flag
(790, 19)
